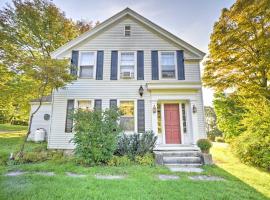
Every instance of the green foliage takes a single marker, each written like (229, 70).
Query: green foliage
(219, 139)
(212, 130)
(120, 161)
(96, 135)
(145, 160)
(137, 144)
(252, 146)
(239, 49)
(229, 111)
(204, 145)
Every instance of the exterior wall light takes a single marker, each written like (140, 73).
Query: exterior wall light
(194, 109)
(141, 91)
(154, 109)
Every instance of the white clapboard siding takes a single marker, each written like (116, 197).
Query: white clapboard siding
(113, 39)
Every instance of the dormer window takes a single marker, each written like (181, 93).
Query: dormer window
(127, 30)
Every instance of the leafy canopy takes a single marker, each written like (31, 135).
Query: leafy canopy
(239, 49)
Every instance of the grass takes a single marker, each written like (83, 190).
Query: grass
(242, 182)
(10, 127)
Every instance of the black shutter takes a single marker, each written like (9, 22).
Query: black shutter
(114, 61)
(69, 120)
(140, 65)
(99, 71)
(113, 103)
(154, 58)
(180, 65)
(74, 63)
(98, 104)
(141, 116)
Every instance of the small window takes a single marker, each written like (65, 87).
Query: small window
(127, 31)
(127, 65)
(184, 117)
(159, 118)
(87, 63)
(167, 65)
(127, 115)
(84, 104)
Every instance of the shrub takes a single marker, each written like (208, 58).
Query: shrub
(96, 135)
(219, 139)
(33, 157)
(136, 144)
(146, 160)
(119, 161)
(204, 145)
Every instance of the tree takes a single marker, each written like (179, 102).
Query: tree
(211, 123)
(239, 55)
(229, 114)
(30, 31)
(84, 25)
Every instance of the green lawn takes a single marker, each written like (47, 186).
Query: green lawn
(242, 182)
(9, 127)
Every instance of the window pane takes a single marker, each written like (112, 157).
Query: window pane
(84, 104)
(159, 118)
(127, 58)
(86, 71)
(167, 58)
(127, 117)
(184, 117)
(87, 58)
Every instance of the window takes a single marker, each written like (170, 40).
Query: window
(87, 63)
(127, 65)
(184, 117)
(127, 115)
(167, 65)
(159, 118)
(127, 31)
(84, 104)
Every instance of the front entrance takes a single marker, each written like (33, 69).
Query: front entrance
(172, 124)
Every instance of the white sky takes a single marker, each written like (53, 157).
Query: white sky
(191, 20)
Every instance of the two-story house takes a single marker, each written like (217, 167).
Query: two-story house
(151, 74)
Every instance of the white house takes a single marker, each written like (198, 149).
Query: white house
(133, 63)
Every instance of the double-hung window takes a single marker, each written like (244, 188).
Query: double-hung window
(87, 64)
(127, 115)
(127, 65)
(168, 65)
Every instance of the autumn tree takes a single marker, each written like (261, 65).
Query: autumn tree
(30, 31)
(239, 55)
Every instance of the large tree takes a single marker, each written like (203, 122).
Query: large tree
(30, 31)
(239, 56)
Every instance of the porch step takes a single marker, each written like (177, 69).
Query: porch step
(180, 153)
(193, 165)
(181, 160)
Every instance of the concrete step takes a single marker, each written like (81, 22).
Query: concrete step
(180, 153)
(195, 165)
(181, 160)
(176, 148)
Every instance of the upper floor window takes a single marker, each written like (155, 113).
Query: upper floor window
(87, 64)
(127, 65)
(127, 30)
(168, 65)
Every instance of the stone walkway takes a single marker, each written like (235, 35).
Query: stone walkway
(165, 177)
(186, 169)
(162, 177)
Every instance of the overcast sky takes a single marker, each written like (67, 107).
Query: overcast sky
(191, 20)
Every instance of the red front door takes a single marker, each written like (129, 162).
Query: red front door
(172, 124)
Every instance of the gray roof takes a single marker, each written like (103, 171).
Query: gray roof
(44, 99)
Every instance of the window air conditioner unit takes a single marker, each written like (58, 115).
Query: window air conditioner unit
(127, 74)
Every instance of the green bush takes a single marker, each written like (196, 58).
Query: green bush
(204, 145)
(219, 139)
(96, 135)
(253, 146)
(119, 161)
(33, 157)
(145, 160)
(136, 144)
